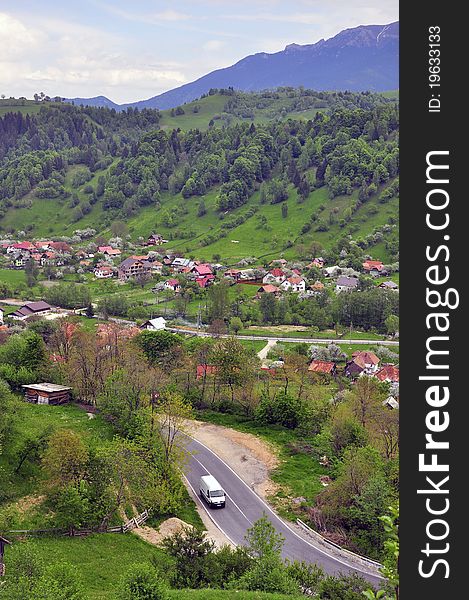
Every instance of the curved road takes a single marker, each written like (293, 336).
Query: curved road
(244, 507)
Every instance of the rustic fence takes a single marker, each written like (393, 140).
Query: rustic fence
(124, 528)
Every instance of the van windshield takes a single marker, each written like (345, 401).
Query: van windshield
(216, 494)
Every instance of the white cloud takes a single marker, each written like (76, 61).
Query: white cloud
(17, 39)
(212, 45)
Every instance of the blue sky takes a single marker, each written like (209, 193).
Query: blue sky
(135, 49)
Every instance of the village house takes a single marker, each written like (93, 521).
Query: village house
(388, 373)
(232, 274)
(31, 309)
(43, 245)
(19, 260)
(132, 267)
(374, 267)
(46, 393)
(274, 276)
(201, 270)
(362, 363)
(103, 272)
(180, 263)
(268, 289)
(156, 324)
(346, 284)
(278, 262)
(205, 282)
(294, 284)
(172, 284)
(61, 247)
(109, 251)
(155, 239)
(323, 367)
(389, 285)
(316, 262)
(317, 287)
(25, 248)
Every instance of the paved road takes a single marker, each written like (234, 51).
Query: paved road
(244, 507)
(286, 339)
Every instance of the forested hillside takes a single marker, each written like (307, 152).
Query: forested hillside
(337, 168)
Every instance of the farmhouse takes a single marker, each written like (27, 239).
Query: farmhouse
(268, 289)
(103, 272)
(172, 284)
(274, 276)
(323, 366)
(154, 324)
(346, 284)
(362, 363)
(155, 239)
(109, 251)
(233, 274)
(294, 284)
(388, 373)
(201, 270)
(46, 393)
(31, 308)
(374, 267)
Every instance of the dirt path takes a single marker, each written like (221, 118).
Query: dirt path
(262, 354)
(250, 457)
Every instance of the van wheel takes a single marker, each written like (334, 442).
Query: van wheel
(200, 494)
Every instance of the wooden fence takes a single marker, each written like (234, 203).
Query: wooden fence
(124, 528)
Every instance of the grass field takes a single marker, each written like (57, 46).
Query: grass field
(287, 331)
(12, 276)
(102, 559)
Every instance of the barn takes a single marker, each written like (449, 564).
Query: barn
(46, 393)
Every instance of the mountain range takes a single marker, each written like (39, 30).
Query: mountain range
(357, 59)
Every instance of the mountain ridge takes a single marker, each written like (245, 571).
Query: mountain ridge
(356, 59)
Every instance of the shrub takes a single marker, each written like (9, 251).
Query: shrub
(142, 582)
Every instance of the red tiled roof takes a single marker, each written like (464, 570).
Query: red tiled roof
(23, 246)
(203, 269)
(269, 289)
(388, 372)
(321, 366)
(369, 265)
(277, 273)
(365, 357)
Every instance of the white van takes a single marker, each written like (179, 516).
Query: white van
(211, 491)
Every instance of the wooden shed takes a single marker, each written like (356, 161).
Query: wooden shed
(46, 393)
(3, 542)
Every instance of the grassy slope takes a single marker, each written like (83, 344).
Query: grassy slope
(54, 216)
(102, 559)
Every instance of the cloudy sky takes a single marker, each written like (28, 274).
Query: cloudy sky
(129, 50)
